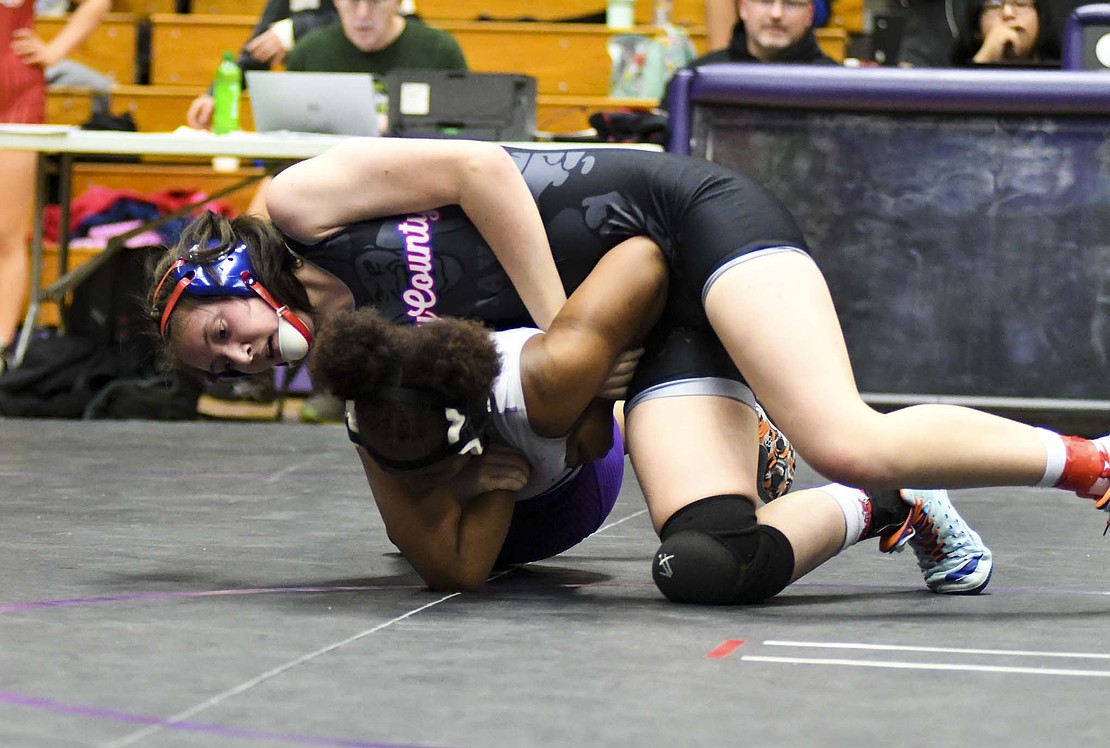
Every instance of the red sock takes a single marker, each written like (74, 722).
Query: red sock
(1084, 464)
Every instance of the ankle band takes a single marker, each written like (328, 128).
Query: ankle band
(1056, 456)
(856, 508)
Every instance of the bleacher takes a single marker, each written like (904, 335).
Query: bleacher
(569, 60)
(155, 81)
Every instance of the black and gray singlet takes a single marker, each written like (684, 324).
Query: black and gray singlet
(590, 200)
(436, 263)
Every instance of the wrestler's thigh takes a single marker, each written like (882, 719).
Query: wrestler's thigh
(691, 447)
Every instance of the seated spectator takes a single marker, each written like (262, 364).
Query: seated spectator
(770, 31)
(773, 31)
(1002, 32)
(929, 32)
(373, 37)
(277, 29)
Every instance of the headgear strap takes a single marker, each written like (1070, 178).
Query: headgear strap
(213, 280)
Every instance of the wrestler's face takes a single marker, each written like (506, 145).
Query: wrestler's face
(227, 335)
(370, 25)
(1020, 17)
(774, 25)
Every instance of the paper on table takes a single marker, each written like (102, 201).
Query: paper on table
(16, 128)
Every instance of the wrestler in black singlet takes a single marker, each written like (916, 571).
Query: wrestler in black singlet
(700, 214)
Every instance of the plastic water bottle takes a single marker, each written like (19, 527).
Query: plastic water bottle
(670, 50)
(620, 14)
(226, 93)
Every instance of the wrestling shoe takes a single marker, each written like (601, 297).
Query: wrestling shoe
(951, 556)
(776, 459)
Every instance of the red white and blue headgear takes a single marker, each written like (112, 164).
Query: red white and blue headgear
(231, 274)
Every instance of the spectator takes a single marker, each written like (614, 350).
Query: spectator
(769, 31)
(277, 29)
(373, 37)
(930, 31)
(1000, 32)
(23, 58)
(772, 31)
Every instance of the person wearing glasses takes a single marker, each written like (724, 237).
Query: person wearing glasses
(1006, 32)
(774, 31)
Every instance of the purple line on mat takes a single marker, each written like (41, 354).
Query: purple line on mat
(58, 707)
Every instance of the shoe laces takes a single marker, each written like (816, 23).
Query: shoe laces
(927, 540)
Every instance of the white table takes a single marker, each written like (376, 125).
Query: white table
(63, 143)
(60, 145)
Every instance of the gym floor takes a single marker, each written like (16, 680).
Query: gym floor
(230, 584)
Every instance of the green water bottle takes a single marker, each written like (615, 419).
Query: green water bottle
(226, 92)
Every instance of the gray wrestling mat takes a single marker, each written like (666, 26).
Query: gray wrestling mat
(213, 584)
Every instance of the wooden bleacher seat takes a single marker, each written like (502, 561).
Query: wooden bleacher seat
(110, 49)
(230, 7)
(845, 14)
(566, 58)
(144, 7)
(154, 108)
(186, 47)
(504, 10)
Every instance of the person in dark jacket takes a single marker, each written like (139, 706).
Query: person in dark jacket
(779, 31)
(774, 31)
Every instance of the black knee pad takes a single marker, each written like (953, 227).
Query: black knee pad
(715, 553)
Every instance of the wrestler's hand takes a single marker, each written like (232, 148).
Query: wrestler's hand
(32, 50)
(616, 385)
(499, 468)
(592, 436)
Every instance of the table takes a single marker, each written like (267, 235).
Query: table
(63, 143)
(58, 146)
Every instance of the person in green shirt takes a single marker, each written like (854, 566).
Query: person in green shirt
(373, 37)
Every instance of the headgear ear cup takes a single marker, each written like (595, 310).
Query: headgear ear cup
(292, 346)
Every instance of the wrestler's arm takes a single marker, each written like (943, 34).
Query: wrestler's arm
(365, 178)
(564, 369)
(451, 540)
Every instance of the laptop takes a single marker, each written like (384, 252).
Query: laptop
(329, 103)
(461, 104)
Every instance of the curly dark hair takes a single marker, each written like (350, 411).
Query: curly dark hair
(269, 255)
(359, 351)
(969, 38)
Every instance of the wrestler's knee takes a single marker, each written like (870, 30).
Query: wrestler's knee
(715, 553)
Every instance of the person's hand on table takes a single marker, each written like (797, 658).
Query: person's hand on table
(199, 116)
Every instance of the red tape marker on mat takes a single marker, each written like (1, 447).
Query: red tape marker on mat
(725, 648)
